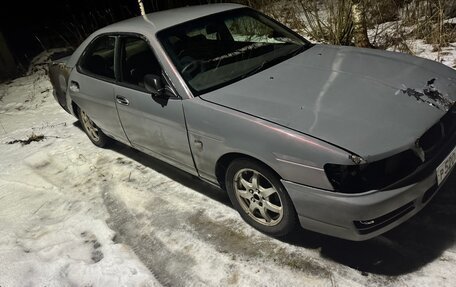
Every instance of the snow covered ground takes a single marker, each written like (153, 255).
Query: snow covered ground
(72, 214)
(53, 229)
(417, 47)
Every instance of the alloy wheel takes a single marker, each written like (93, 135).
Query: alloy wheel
(258, 197)
(91, 128)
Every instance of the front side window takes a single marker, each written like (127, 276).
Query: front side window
(137, 60)
(220, 49)
(98, 59)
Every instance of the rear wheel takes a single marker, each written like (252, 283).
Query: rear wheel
(94, 133)
(260, 198)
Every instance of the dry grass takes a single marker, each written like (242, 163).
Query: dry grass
(329, 21)
(31, 138)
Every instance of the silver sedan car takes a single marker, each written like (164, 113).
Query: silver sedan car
(343, 141)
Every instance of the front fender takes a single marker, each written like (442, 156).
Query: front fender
(215, 130)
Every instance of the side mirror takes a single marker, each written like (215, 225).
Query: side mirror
(154, 84)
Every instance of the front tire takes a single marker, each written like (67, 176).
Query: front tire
(95, 134)
(260, 198)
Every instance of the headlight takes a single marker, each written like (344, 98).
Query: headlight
(372, 176)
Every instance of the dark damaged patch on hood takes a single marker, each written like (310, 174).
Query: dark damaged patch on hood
(431, 96)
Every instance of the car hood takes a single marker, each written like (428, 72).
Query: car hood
(371, 102)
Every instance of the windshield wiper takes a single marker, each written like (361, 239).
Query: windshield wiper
(266, 64)
(300, 49)
(254, 71)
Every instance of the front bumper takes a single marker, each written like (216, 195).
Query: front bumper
(365, 215)
(360, 216)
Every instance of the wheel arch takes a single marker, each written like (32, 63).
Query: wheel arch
(289, 220)
(224, 161)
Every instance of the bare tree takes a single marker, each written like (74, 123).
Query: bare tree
(358, 13)
(142, 11)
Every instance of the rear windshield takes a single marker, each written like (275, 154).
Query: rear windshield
(219, 49)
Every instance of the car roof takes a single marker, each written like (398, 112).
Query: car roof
(153, 22)
(156, 21)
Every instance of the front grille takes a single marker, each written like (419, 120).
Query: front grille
(432, 139)
(438, 134)
(368, 226)
(400, 170)
(436, 143)
(449, 120)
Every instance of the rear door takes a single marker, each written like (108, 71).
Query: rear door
(155, 125)
(92, 85)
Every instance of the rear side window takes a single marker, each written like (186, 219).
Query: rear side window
(99, 57)
(137, 60)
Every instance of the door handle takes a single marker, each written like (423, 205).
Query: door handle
(74, 86)
(122, 100)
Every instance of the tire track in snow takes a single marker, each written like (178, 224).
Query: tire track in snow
(135, 231)
(168, 213)
(177, 257)
(219, 226)
(171, 225)
(55, 238)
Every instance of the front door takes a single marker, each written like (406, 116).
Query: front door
(153, 124)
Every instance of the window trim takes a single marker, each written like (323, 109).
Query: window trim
(194, 92)
(87, 48)
(119, 81)
(117, 59)
(135, 87)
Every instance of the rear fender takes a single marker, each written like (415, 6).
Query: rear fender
(59, 74)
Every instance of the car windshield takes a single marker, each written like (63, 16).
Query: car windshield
(219, 49)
